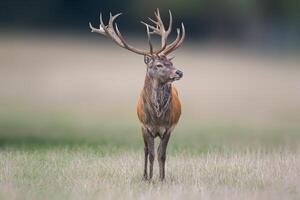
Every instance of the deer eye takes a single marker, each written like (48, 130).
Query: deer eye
(159, 66)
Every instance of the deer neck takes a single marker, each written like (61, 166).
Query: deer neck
(158, 95)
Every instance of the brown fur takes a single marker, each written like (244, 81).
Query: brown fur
(158, 107)
(175, 107)
(174, 110)
(158, 110)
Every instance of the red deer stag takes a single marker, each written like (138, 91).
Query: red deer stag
(158, 106)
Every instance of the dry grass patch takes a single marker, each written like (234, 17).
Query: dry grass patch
(84, 174)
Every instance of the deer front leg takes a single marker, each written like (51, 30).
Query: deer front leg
(151, 153)
(144, 131)
(161, 152)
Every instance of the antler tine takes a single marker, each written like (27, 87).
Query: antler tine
(152, 20)
(101, 22)
(109, 29)
(149, 40)
(112, 18)
(155, 30)
(120, 36)
(160, 29)
(177, 42)
(170, 22)
(160, 22)
(114, 34)
(100, 30)
(173, 43)
(182, 37)
(165, 38)
(95, 30)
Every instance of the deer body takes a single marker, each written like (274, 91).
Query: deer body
(158, 108)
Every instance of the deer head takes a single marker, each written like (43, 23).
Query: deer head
(159, 67)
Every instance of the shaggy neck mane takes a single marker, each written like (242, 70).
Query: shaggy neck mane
(158, 95)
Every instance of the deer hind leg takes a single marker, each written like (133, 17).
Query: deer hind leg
(161, 152)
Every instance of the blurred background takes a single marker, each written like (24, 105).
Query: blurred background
(61, 84)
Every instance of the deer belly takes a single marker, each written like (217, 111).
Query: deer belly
(159, 130)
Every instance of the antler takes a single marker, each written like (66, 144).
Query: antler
(159, 29)
(115, 35)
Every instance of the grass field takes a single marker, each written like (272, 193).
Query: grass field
(75, 170)
(105, 162)
(68, 128)
(94, 173)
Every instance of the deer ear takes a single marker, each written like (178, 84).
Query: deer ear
(148, 59)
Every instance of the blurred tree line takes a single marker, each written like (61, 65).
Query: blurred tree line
(226, 19)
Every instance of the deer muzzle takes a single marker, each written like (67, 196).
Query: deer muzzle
(176, 75)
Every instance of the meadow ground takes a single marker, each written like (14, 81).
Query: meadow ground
(90, 173)
(68, 129)
(71, 169)
(212, 162)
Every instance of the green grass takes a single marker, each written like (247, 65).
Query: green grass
(58, 130)
(88, 173)
(61, 158)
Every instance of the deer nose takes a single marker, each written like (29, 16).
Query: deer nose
(179, 73)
